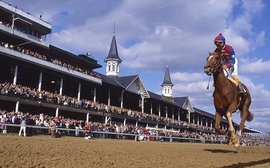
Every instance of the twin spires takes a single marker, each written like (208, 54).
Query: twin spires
(112, 68)
(167, 84)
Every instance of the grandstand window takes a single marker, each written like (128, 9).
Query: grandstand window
(109, 67)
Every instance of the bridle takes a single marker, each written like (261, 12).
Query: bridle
(210, 69)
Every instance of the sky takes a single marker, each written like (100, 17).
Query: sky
(179, 33)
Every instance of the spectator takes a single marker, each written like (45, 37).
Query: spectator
(53, 128)
(23, 127)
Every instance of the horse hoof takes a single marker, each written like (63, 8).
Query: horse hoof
(235, 140)
(229, 142)
(237, 145)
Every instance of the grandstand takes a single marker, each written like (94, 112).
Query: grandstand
(40, 78)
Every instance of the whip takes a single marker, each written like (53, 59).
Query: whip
(208, 83)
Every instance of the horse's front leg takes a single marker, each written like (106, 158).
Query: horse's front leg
(233, 138)
(217, 124)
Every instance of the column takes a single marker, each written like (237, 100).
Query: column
(151, 110)
(136, 124)
(125, 122)
(57, 112)
(159, 110)
(122, 99)
(40, 81)
(198, 120)
(109, 97)
(106, 119)
(179, 115)
(15, 75)
(173, 113)
(87, 117)
(79, 91)
(142, 103)
(17, 106)
(95, 94)
(188, 116)
(166, 111)
(61, 86)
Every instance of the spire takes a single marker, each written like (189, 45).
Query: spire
(113, 53)
(114, 28)
(167, 79)
(167, 84)
(113, 60)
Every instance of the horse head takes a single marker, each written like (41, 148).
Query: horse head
(213, 63)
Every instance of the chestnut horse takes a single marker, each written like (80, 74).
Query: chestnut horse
(226, 99)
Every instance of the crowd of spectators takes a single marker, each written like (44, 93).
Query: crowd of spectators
(249, 140)
(55, 98)
(56, 61)
(80, 126)
(62, 122)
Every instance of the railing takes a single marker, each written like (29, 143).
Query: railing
(42, 130)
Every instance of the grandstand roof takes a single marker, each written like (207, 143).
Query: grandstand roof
(126, 80)
(184, 103)
(131, 83)
(79, 59)
(250, 130)
(180, 100)
(110, 80)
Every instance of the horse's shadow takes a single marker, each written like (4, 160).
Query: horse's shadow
(249, 164)
(220, 151)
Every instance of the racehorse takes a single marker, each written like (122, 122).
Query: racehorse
(227, 99)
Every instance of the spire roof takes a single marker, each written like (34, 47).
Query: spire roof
(113, 53)
(167, 78)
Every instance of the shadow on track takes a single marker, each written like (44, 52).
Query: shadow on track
(248, 164)
(220, 151)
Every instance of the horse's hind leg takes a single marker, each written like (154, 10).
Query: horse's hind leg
(244, 115)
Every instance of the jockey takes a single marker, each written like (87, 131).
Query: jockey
(229, 61)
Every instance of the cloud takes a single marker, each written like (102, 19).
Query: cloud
(255, 66)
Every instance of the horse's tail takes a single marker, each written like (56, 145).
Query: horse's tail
(250, 116)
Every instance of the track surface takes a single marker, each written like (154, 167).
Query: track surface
(44, 151)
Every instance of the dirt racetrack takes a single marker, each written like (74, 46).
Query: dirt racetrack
(44, 151)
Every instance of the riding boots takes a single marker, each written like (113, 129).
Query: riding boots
(241, 89)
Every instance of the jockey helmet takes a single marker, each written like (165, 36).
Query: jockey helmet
(220, 38)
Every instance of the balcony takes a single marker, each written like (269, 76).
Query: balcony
(42, 63)
(27, 37)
